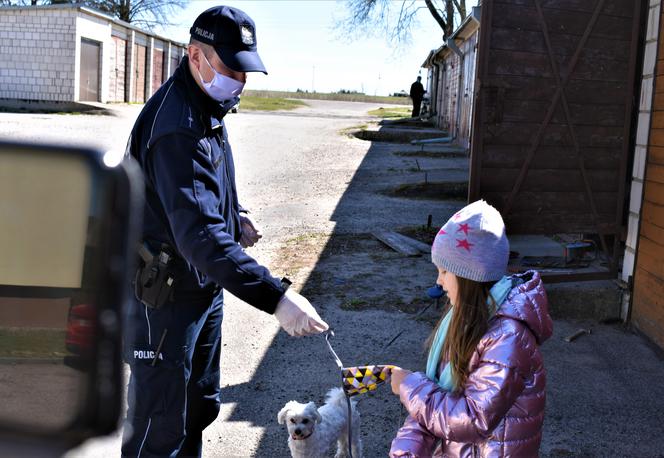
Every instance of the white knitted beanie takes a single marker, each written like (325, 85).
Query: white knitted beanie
(472, 244)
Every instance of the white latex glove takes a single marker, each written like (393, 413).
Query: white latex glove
(297, 316)
(250, 232)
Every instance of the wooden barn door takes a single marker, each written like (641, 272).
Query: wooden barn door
(552, 131)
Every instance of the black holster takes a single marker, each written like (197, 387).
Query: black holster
(156, 276)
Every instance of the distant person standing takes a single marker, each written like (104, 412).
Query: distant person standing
(416, 93)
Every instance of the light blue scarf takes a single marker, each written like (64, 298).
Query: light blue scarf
(499, 293)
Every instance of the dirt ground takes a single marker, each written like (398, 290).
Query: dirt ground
(318, 194)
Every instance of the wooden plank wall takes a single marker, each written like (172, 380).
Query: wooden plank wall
(468, 90)
(440, 97)
(517, 89)
(452, 69)
(648, 304)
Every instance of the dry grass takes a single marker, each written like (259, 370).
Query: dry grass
(328, 96)
(253, 103)
(435, 191)
(392, 113)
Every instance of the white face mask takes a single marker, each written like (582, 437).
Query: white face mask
(221, 87)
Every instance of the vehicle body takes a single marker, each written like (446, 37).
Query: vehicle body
(68, 226)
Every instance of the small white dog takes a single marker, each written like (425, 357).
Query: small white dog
(312, 431)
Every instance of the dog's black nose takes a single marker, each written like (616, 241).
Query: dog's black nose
(298, 432)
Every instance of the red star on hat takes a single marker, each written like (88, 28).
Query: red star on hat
(442, 232)
(463, 228)
(464, 244)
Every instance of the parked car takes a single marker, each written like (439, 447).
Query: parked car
(80, 330)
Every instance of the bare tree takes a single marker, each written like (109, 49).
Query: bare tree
(396, 19)
(24, 2)
(143, 13)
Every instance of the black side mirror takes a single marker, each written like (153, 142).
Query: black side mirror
(69, 218)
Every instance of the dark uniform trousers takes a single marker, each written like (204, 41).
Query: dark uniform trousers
(178, 396)
(417, 104)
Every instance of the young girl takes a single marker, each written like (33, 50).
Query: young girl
(484, 389)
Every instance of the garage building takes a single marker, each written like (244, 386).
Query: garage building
(71, 53)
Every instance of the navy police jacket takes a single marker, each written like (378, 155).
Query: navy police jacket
(180, 141)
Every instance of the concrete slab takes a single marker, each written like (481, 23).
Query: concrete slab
(595, 300)
(432, 140)
(535, 245)
(447, 149)
(434, 150)
(396, 134)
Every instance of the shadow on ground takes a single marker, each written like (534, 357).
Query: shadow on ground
(367, 292)
(604, 395)
(65, 108)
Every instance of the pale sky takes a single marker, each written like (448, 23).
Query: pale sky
(298, 44)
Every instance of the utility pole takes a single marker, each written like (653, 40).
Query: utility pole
(313, 78)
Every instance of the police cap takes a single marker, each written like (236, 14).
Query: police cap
(232, 33)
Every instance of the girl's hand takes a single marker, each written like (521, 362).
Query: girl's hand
(397, 377)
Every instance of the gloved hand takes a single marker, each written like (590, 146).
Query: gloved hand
(297, 316)
(250, 233)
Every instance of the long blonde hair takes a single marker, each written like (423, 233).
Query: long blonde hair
(470, 318)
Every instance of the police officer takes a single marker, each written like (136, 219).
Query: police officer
(417, 94)
(194, 230)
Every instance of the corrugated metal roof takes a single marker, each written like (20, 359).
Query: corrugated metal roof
(437, 54)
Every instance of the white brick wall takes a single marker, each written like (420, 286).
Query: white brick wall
(36, 49)
(40, 51)
(645, 111)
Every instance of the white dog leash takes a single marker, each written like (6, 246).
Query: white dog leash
(329, 333)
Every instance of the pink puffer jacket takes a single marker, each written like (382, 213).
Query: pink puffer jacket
(501, 408)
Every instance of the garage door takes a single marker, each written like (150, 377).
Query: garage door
(139, 73)
(175, 61)
(157, 69)
(118, 73)
(552, 132)
(89, 71)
